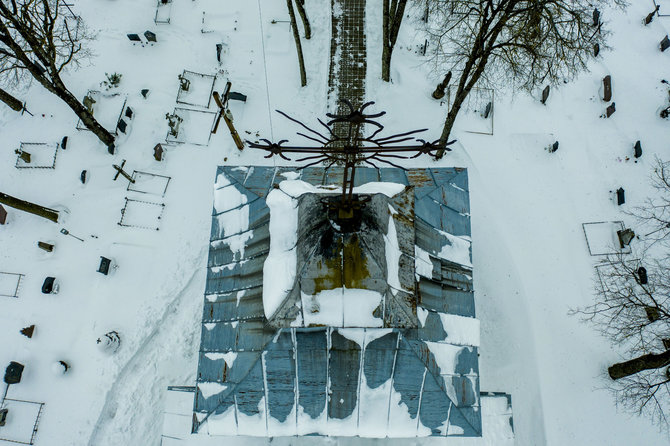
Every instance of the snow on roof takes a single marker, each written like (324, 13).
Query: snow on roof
(292, 371)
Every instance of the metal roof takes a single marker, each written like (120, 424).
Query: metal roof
(266, 378)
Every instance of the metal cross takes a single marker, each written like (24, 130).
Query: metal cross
(351, 150)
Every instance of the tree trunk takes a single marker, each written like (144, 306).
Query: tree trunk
(59, 89)
(32, 208)
(392, 18)
(300, 4)
(386, 51)
(298, 46)
(11, 101)
(644, 362)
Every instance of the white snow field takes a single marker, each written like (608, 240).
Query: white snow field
(530, 256)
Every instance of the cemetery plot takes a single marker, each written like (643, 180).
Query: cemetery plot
(41, 155)
(602, 238)
(476, 115)
(195, 89)
(10, 283)
(193, 127)
(141, 214)
(149, 183)
(22, 420)
(601, 272)
(163, 11)
(664, 7)
(107, 109)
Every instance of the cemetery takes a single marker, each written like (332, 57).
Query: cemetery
(321, 222)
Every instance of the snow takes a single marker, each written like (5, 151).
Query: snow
(529, 254)
(342, 307)
(457, 249)
(209, 389)
(392, 251)
(460, 330)
(280, 265)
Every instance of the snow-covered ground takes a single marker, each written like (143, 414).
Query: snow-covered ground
(530, 258)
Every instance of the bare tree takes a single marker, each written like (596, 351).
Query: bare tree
(632, 310)
(36, 40)
(521, 43)
(298, 46)
(392, 18)
(300, 5)
(29, 207)
(653, 215)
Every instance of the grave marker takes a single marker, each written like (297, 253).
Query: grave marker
(607, 88)
(50, 286)
(151, 37)
(487, 110)
(48, 247)
(28, 331)
(596, 50)
(642, 274)
(144, 92)
(545, 95)
(25, 156)
(665, 43)
(596, 17)
(133, 38)
(625, 237)
(63, 143)
(620, 196)
(650, 16)
(610, 110)
(83, 177)
(105, 264)
(552, 148)
(122, 126)
(637, 148)
(3, 215)
(129, 113)
(158, 152)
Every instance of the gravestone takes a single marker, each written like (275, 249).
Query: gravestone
(625, 237)
(28, 331)
(49, 286)
(3, 416)
(596, 50)
(129, 113)
(219, 48)
(607, 88)
(109, 342)
(235, 96)
(88, 103)
(121, 125)
(637, 148)
(63, 143)
(545, 94)
(552, 148)
(3, 215)
(650, 16)
(134, 38)
(151, 37)
(25, 156)
(158, 152)
(665, 43)
(596, 17)
(13, 373)
(144, 92)
(83, 177)
(48, 247)
(620, 196)
(487, 110)
(642, 274)
(105, 265)
(610, 110)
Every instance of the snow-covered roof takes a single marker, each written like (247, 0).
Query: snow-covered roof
(288, 371)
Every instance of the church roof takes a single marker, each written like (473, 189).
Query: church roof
(285, 374)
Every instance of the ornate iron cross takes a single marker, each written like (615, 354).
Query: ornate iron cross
(350, 150)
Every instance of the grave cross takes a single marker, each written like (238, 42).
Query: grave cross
(120, 171)
(350, 150)
(224, 113)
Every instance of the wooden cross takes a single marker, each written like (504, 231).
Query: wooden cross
(120, 171)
